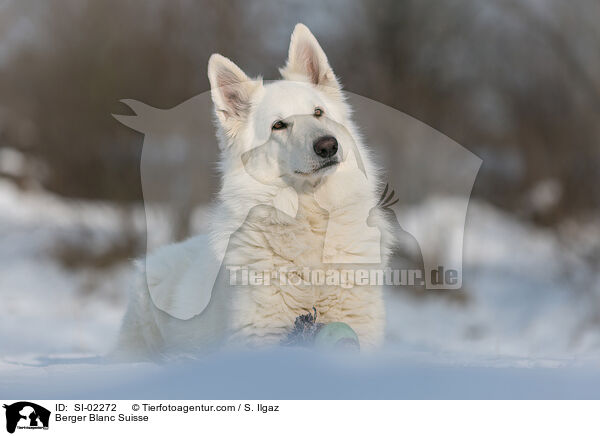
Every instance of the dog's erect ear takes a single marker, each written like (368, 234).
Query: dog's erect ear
(307, 60)
(231, 90)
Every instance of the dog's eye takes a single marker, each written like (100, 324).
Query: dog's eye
(318, 112)
(278, 125)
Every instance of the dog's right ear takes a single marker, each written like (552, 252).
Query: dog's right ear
(307, 62)
(231, 91)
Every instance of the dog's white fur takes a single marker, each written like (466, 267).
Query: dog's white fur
(330, 204)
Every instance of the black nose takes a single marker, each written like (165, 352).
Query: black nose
(325, 146)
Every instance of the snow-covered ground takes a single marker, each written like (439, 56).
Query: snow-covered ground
(526, 324)
(529, 297)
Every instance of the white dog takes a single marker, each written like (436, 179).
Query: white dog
(299, 193)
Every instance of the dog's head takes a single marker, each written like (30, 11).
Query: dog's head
(293, 130)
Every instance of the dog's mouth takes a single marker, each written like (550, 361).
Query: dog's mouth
(325, 165)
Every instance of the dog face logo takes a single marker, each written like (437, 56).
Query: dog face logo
(26, 415)
(296, 138)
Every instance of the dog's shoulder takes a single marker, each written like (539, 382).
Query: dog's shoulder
(180, 276)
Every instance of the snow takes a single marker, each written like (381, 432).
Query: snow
(527, 295)
(526, 324)
(294, 374)
(45, 307)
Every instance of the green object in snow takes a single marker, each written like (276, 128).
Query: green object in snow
(337, 335)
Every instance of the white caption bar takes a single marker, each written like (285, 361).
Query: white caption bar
(303, 417)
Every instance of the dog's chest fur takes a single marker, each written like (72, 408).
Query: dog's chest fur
(272, 243)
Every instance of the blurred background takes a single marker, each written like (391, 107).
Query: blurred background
(516, 82)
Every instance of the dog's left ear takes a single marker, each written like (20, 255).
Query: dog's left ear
(231, 92)
(307, 61)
